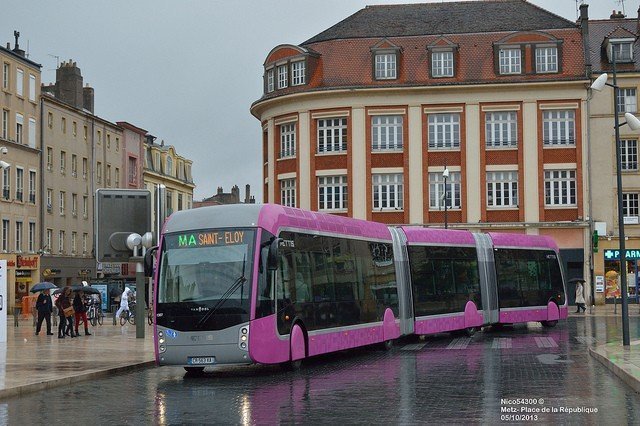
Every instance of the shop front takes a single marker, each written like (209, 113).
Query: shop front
(22, 273)
(609, 290)
(63, 271)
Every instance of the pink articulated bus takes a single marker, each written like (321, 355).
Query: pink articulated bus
(268, 284)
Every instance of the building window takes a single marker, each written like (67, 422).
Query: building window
(48, 247)
(501, 129)
(108, 177)
(297, 73)
(74, 165)
(332, 193)
(510, 62)
(49, 158)
(84, 168)
(63, 162)
(117, 144)
(6, 184)
(288, 192)
(442, 64)
(19, 126)
(623, 51)
(116, 176)
(63, 125)
(32, 132)
(283, 78)
(5, 75)
(170, 166)
(5, 124)
(627, 101)
(133, 171)
(74, 238)
(49, 200)
(32, 87)
(85, 239)
(386, 132)
(444, 131)
(19, 82)
(74, 129)
(332, 135)
(85, 206)
(546, 59)
(630, 208)
(19, 236)
(386, 66)
(32, 186)
(19, 184)
(560, 188)
(180, 203)
(74, 205)
(559, 127)
(502, 189)
(32, 237)
(99, 172)
(108, 141)
(5, 235)
(85, 133)
(270, 81)
(50, 120)
(438, 193)
(388, 192)
(629, 154)
(62, 197)
(287, 140)
(61, 242)
(99, 137)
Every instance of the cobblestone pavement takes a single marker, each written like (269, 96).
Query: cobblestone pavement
(495, 376)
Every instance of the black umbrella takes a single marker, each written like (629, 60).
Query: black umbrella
(576, 280)
(45, 285)
(85, 288)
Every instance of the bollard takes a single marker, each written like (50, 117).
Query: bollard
(16, 316)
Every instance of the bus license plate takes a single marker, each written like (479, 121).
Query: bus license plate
(199, 360)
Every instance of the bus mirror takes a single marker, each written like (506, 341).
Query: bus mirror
(274, 254)
(148, 261)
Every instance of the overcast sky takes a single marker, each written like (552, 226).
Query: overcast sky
(187, 71)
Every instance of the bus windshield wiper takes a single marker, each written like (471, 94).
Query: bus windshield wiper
(239, 282)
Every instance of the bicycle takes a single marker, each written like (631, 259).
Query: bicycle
(94, 313)
(129, 315)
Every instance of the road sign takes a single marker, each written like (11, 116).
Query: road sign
(118, 213)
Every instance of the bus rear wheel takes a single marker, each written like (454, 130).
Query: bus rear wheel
(470, 331)
(291, 365)
(387, 345)
(549, 324)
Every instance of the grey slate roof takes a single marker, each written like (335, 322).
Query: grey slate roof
(443, 18)
(599, 30)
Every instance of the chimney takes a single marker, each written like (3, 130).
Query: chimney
(638, 24)
(16, 48)
(247, 191)
(584, 28)
(69, 84)
(235, 194)
(87, 98)
(219, 190)
(616, 15)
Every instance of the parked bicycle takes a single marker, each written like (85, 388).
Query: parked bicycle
(94, 313)
(129, 315)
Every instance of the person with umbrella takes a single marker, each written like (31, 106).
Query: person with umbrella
(66, 318)
(44, 308)
(580, 303)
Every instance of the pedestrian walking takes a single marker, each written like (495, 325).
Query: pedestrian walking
(124, 302)
(65, 311)
(580, 304)
(44, 308)
(80, 312)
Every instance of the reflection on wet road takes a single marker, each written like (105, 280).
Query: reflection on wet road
(496, 375)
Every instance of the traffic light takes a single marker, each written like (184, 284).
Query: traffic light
(594, 241)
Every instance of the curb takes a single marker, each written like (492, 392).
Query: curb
(624, 374)
(71, 380)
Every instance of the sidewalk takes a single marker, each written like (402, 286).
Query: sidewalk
(624, 363)
(605, 311)
(31, 363)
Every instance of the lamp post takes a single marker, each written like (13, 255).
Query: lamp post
(445, 175)
(634, 124)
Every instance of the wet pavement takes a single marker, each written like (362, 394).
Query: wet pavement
(519, 374)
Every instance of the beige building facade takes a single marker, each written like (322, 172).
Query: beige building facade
(20, 174)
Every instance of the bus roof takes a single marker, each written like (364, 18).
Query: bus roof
(273, 218)
(522, 240)
(418, 235)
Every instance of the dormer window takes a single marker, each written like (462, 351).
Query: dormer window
(283, 77)
(442, 63)
(270, 80)
(623, 49)
(297, 73)
(510, 60)
(386, 66)
(546, 59)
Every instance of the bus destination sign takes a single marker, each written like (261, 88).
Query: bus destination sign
(207, 238)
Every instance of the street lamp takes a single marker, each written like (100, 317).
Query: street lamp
(634, 124)
(445, 175)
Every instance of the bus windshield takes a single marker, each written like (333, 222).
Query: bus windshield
(206, 273)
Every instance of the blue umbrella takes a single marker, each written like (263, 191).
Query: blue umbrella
(45, 285)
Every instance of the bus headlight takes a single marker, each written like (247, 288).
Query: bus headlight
(243, 338)
(161, 340)
(160, 333)
(162, 349)
(243, 345)
(244, 330)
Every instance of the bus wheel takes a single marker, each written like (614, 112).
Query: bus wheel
(470, 331)
(387, 345)
(291, 365)
(549, 324)
(195, 371)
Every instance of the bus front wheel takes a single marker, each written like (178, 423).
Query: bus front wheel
(549, 324)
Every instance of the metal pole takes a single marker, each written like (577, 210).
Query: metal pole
(623, 254)
(141, 319)
(446, 201)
